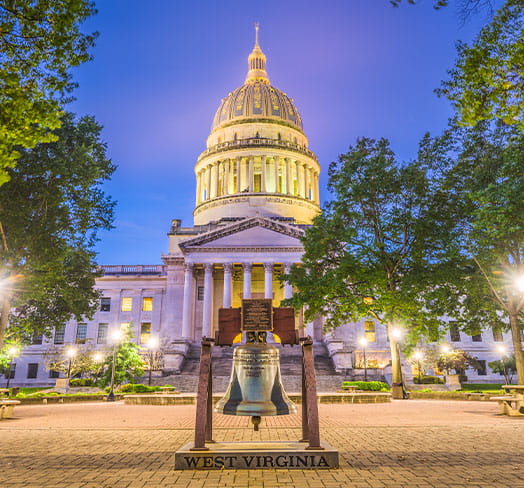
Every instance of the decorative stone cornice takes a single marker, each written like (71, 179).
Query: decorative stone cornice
(240, 226)
(173, 260)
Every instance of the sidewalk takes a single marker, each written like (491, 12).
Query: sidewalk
(403, 444)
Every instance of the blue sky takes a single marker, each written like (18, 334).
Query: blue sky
(354, 68)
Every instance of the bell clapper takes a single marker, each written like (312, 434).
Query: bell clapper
(256, 419)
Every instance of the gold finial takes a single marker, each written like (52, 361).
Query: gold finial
(256, 62)
(257, 26)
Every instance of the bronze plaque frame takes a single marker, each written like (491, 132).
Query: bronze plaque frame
(257, 314)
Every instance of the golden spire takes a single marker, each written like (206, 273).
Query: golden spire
(256, 63)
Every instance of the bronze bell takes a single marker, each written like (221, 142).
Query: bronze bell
(255, 387)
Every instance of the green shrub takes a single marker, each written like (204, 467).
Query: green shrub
(428, 380)
(81, 382)
(367, 385)
(137, 388)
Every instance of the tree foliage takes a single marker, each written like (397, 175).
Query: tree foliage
(128, 365)
(82, 363)
(50, 213)
(376, 249)
(487, 81)
(506, 366)
(458, 361)
(40, 40)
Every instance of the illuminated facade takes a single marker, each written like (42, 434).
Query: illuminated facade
(257, 186)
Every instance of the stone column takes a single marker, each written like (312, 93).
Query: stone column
(238, 189)
(198, 188)
(300, 176)
(288, 289)
(228, 284)
(263, 176)
(246, 293)
(187, 307)
(218, 191)
(226, 176)
(316, 189)
(288, 176)
(268, 280)
(208, 298)
(208, 190)
(275, 160)
(250, 174)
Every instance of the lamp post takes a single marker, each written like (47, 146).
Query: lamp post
(502, 351)
(418, 356)
(364, 342)
(398, 388)
(115, 336)
(152, 345)
(70, 353)
(98, 357)
(12, 353)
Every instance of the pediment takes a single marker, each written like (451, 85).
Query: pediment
(256, 232)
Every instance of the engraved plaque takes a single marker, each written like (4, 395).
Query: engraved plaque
(257, 314)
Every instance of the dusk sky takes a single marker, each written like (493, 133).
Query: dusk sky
(354, 68)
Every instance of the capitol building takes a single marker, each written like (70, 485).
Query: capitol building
(256, 190)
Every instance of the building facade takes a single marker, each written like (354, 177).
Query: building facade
(257, 187)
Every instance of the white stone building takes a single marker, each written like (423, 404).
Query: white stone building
(257, 186)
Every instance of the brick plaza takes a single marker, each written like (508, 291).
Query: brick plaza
(415, 443)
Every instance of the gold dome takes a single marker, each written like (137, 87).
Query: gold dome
(257, 100)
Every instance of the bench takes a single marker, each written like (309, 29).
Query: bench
(4, 392)
(349, 388)
(509, 405)
(168, 389)
(474, 396)
(7, 407)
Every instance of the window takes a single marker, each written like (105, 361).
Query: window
(101, 337)
(497, 334)
(81, 333)
(145, 332)
(105, 304)
(476, 338)
(482, 367)
(369, 330)
(54, 374)
(454, 333)
(147, 304)
(37, 339)
(59, 334)
(127, 304)
(12, 374)
(200, 293)
(32, 370)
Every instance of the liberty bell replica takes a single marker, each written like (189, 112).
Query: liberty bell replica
(255, 387)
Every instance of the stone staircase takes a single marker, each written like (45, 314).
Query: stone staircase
(328, 380)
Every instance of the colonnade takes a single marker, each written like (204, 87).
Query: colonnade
(187, 310)
(260, 174)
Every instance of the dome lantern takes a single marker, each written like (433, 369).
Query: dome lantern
(257, 63)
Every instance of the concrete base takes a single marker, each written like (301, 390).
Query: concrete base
(256, 455)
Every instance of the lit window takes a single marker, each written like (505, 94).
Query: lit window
(81, 333)
(147, 304)
(127, 304)
(369, 330)
(102, 334)
(145, 332)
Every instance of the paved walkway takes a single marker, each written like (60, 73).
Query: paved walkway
(404, 444)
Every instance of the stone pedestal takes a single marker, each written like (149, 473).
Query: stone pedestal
(174, 356)
(453, 382)
(257, 455)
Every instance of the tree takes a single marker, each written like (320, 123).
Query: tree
(506, 367)
(487, 81)
(457, 360)
(82, 363)
(40, 41)
(128, 365)
(375, 250)
(485, 188)
(50, 213)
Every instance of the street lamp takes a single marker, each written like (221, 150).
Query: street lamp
(152, 345)
(70, 353)
(418, 356)
(12, 352)
(398, 387)
(364, 342)
(444, 348)
(501, 349)
(115, 336)
(519, 283)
